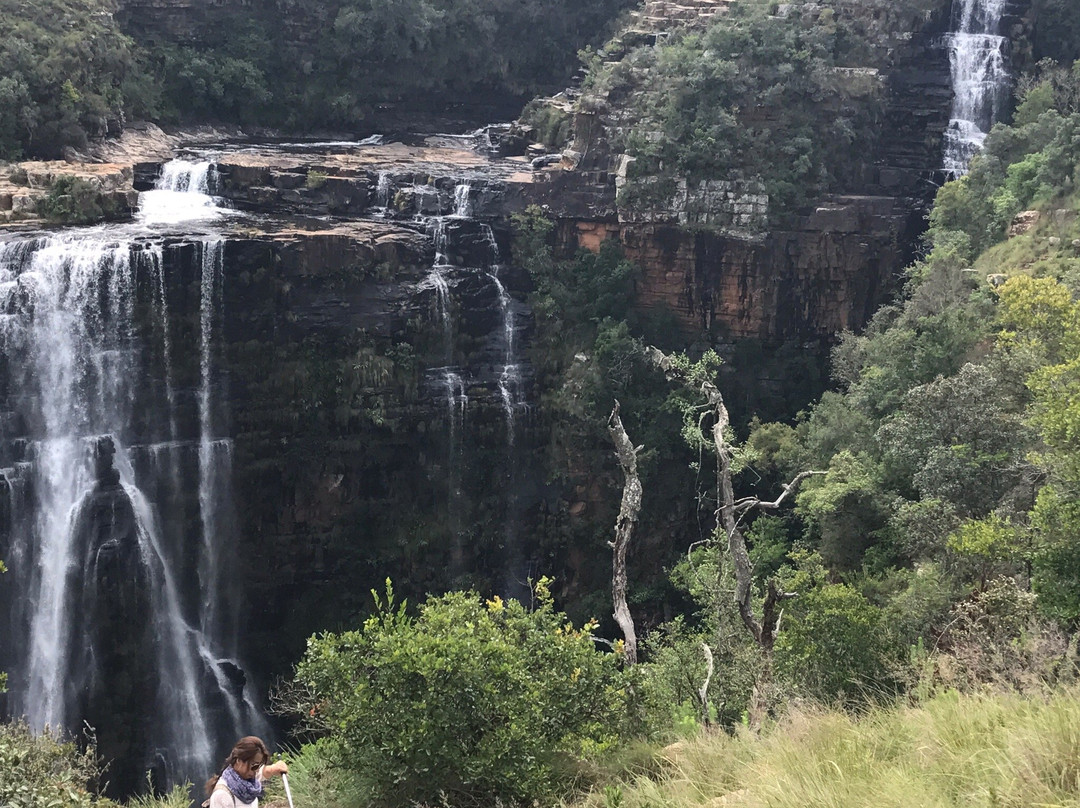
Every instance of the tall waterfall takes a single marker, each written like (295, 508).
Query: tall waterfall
(978, 57)
(99, 449)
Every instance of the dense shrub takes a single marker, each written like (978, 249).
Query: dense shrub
(40, 771)
(467, 702)
(756, 97)
(74, 200)
(68, 72)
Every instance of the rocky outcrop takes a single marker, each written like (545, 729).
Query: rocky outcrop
(24, 185)
(112, 676)
(826, 277)
(709, 250)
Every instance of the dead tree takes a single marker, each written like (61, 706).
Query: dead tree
(624, 531)
(730, 513)
(729, 517)
(703, 691)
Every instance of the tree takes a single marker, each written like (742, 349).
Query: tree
(730, 514)
(1042, 319)
(624, 531)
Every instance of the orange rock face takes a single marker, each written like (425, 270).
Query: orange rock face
(821, 278)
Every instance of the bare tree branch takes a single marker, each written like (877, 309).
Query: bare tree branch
(703, 692)
(624, 531)
(729, 516)
(749, 503)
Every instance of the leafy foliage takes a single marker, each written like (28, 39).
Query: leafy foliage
(70, 74)
(41, 771)
(756, 97)
(74, 200)
(66, 74)
(467, 702)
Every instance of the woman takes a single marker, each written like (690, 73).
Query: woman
(240, 783)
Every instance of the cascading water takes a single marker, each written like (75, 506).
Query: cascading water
(462, 208)
(382, 192)
(102, 629)
(510, 377)
(181, 194)
(437, 279)
(465, 267)
(978, 57)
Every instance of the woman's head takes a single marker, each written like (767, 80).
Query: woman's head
(250, 750)
(246, 757)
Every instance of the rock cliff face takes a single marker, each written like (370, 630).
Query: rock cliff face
(814, 282)
(711, 256)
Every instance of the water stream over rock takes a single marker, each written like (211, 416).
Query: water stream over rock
(118, 427)
(978, 57)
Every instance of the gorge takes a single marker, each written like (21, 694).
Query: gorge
(305, 366)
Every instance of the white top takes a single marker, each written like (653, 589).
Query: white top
(223, 798)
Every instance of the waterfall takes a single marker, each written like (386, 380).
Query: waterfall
(103, 627)
(181, 194)
(462, 208)
(214, 456)
(978, 58)
(510, 380)
(437, 279)
(382, 191)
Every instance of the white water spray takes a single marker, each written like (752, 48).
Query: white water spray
(462, 205)
(181, 194)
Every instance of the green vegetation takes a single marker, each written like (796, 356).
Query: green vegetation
(44, 771)
(466, 703)
(950, 751)
(74, 200)
(40, 772)
(69, 74)
(756, 97)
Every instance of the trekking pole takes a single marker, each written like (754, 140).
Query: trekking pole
(288, 793)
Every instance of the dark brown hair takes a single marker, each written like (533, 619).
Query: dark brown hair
(246, 749)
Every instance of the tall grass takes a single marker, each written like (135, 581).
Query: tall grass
(179, 797)
(316, 784)
(956, 750)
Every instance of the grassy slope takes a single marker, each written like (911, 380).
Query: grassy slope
(954, 750)
(1045, 250)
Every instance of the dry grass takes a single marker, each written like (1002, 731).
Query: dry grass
(954, 750)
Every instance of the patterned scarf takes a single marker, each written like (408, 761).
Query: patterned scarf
(247, 791)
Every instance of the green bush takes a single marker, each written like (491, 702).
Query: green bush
(66, 65)
(41, 771)
(755, 98)
(74, 200)
(467, 702)
(829, 645)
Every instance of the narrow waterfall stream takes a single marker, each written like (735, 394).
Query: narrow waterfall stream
(978, 58)
(101, 444)
(467, 263)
